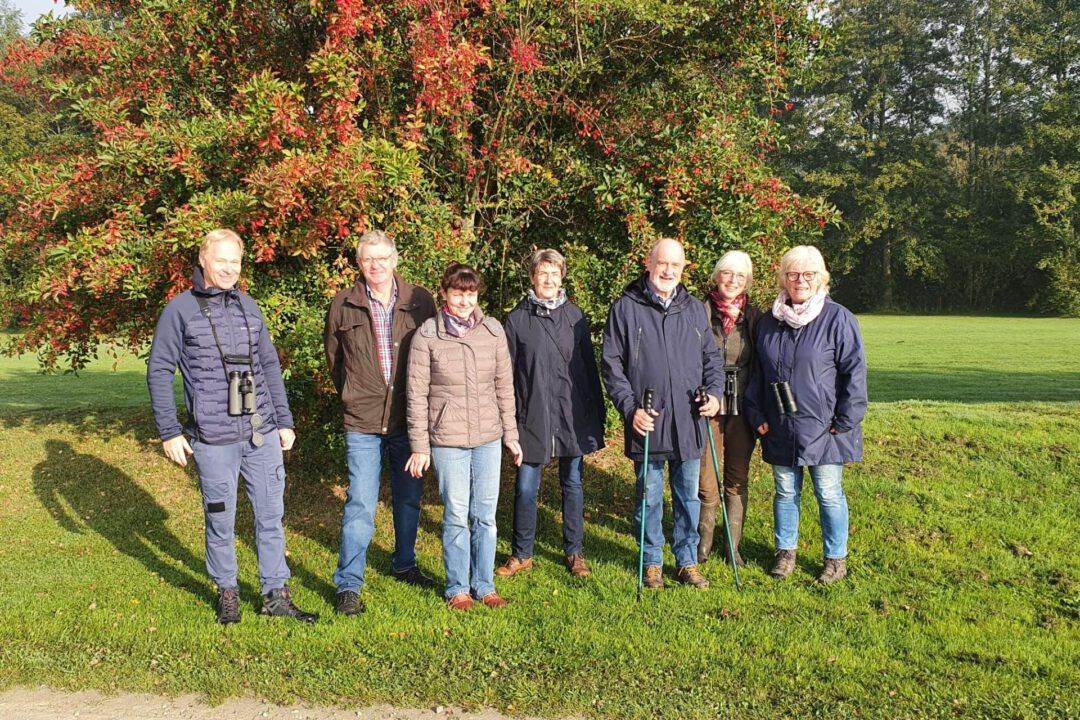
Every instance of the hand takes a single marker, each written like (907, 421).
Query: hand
(763, 429)
(417, 464)
(515, 450)
(177, 449)
(834, 431)
(711, 407)
(287, 437)
(643, 421)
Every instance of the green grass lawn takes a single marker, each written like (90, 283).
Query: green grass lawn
(963, 602)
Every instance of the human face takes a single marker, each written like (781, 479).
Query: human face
(731, 283)
(546, 280)
(665, 267)
(801, 282)
(461, 302)
(221, 264)
(377, 263)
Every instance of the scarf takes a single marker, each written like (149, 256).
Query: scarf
(729, 311)
(457, 327)
(798, 316)
(556, 302)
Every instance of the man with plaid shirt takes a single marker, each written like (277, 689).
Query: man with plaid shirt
(369, 330)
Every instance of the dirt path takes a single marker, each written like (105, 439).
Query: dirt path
(44, 703)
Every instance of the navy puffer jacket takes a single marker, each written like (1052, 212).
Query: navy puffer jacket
(825, 364)
(183, 339)
(670, 350)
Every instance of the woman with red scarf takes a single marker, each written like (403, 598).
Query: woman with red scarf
(734, 325)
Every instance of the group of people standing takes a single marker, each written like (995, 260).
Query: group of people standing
(441, 384)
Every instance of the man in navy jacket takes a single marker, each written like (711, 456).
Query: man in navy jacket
(238, 418)
(658, 336)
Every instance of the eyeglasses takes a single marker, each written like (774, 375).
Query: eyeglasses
(372, 260)
(728, 274)
(808, 276)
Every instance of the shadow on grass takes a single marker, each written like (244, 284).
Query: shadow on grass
(84, 494)
(29, 389)
(973, 385)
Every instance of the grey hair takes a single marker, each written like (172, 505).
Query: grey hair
(652, 250)
(374, 237)
(547, 255)
(810, 257)
(220, 235)
(737, 261)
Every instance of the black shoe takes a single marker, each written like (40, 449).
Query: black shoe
(414, 576)
(228, 606)
(348, 602)
(278, 603)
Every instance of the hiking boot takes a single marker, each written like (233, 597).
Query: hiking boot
(835, 569)
(461, 601)
(492, 600)
(278, 603)
(654, 577)
(348, 603)
(228, 606)
(690, 575)
(577, 566)
(513, 566)
(736, 513)
(414, 576)
(783, 564)
(706, 529)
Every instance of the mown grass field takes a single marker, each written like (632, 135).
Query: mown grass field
(963, 602)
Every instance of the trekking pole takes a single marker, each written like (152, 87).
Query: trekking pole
(703, 397)
(647, 405)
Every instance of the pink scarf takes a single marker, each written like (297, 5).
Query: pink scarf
(457, 327)
(798, 316)
(729, 311)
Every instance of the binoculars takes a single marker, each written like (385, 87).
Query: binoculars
(784, 399)
(729, 399)
(241, 393)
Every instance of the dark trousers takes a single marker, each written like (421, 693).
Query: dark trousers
(734, 448)
(573, 501)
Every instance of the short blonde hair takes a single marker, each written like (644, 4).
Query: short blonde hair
(810, 258)
(736, 261)
(220, 235)
(549, 256)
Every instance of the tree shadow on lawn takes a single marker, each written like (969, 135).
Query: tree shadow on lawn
(84, 494)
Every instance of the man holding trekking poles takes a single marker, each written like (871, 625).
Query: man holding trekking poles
(658, 345)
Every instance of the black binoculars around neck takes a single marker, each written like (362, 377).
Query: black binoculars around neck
(241, 393)
(784, 399)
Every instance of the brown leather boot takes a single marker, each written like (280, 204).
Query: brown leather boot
(654, 577)
(513, 566)
(690, 575)
(783, 564)
(835, 569)
(706, 528)
(577, 566)
(736, 512)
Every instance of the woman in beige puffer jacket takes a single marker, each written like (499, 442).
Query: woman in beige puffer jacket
(460, 412)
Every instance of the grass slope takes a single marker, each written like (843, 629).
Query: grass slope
(964, 598)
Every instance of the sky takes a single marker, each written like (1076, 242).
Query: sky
(33, 9)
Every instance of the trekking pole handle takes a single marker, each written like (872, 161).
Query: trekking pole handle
(701, 395)
(647, 399)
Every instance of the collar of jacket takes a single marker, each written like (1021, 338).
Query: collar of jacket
(198, 285)
(358, 294)
(435, 327)
(639, 291)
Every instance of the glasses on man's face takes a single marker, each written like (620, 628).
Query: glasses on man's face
(808, 276)
(726, 275)
(372, 261)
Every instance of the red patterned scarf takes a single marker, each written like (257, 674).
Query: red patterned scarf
(729, 311)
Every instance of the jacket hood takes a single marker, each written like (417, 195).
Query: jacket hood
(198, 283)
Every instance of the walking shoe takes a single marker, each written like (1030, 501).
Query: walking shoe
(783, 564)
(348, 603)
(513, 566)
(228, 606)
(654, 577)
(492, 600)
(461, 601)
(278, 603)
(414, 576)
(577, 566)
(835, 569)
(690, 575)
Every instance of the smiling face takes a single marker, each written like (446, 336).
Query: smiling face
(731, 283)
(461, 302)
(377, 263)
(801, 282)
(221, 263)
(546, 281)
(665, 265)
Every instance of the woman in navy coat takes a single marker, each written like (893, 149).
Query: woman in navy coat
(560, 407)
(807, 402)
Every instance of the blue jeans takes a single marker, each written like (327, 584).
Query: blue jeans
(832, 505)
(686, 509)
(263, 471)
(573, 506)
(364, 455)
(469, 487)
